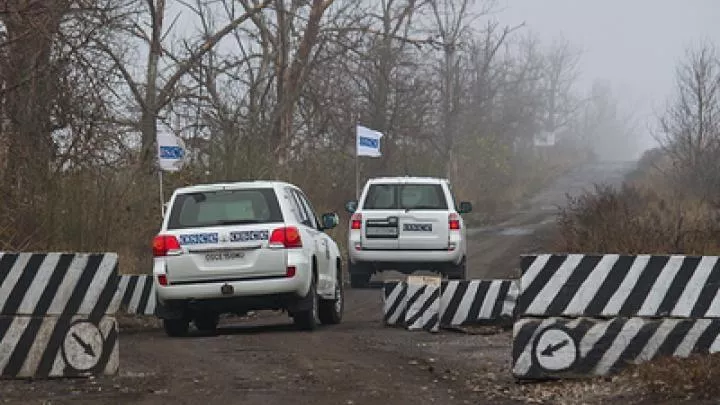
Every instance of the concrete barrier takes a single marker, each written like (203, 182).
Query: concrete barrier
(460, 303)
(136, 294)
(413, 303)
(591, 315)
(57, 314)
(478, 302)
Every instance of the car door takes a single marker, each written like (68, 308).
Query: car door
(319, 241)
(424, 217)
(380, 217)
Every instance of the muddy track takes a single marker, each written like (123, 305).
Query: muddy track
(265, 361)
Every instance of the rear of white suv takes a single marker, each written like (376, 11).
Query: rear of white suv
(406, 224)
(237, 247)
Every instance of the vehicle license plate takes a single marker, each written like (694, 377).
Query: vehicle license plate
(381, 231)
(225, 255)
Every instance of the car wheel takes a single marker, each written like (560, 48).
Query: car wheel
(308, 319)
(359, 280)
(207, 322)
(176, 327)
(358, 277)
(459, 272)
(331, 310)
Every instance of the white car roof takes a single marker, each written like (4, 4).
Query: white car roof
(408, 179)
(233, 186)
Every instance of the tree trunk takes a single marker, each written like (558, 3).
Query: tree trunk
(31, 86)
(150, 109)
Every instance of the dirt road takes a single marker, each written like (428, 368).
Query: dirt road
(264, 361)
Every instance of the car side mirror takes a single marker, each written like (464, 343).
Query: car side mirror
(351, 206)
(465, 207)
(330, 220)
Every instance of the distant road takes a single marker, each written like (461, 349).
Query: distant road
(493, 252)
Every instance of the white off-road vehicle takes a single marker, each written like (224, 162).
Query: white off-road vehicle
(239, 247)
(406, 224)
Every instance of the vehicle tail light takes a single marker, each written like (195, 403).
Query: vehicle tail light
(356, 221)
(162, 279)
(165, 245)
(290, 271)
(454, 222)
(288, 237)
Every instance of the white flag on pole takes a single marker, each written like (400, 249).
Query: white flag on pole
(368, 142)
(171, 152)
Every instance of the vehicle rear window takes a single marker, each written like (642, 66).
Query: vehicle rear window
(225, 207)
(405, 196)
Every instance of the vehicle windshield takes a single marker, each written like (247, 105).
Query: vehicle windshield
(405, 197)
(225, 207)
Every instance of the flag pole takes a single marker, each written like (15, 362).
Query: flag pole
(162, 196)
(357, 176)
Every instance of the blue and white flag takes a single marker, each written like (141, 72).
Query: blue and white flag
(171, 152)
(368, 142)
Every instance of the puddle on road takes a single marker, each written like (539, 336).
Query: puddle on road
(516, 232)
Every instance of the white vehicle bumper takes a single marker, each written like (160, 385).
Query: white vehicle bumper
(297, 285)
(211, 290)
(406, 256)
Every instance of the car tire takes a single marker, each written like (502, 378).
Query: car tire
(358, 277)
(308, 319)
(359, 280)
(460, 271)
(207, 322)
(331, 311)
(176, 327)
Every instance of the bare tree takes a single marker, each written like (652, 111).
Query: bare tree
(561, 76)
(690, 129)
(453, 23)
(30, 83)
(153, 93)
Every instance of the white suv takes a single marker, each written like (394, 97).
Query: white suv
(406, 224)
(238, 247)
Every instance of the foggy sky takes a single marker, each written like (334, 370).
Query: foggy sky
(636, 44)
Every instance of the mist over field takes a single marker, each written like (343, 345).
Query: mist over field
(633, 45)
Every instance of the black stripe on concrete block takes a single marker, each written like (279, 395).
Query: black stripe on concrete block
(28, 359)
(466, 302)
(7, 261)
(38, 283)
(530, 287)
(607, 286)
(500, 301)
(587, 347)
(13, 301)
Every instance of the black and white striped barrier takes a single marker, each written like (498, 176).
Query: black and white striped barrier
(57, 314)
(478, 302)
(136, 294)
(460, 303)
(590, 315)
(414, 304)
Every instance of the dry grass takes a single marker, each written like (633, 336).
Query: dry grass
(635, 220)
(663, 381)
(695, 377)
